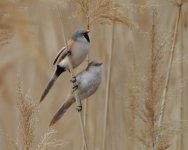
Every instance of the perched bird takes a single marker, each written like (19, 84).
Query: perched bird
(86, 83)
(78, 48)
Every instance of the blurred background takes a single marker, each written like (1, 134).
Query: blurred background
(31, 36)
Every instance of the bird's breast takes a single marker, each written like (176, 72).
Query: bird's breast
(89, 84)
(79, 53)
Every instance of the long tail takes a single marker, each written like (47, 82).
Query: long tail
(62, 110)
(57, 73)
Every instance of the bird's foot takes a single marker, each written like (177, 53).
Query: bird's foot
(75, 87)
(75, 84)
(79, 108)
(73, 80)
(68, 52)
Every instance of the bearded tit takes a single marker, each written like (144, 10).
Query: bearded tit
(78, 48)
(86, 83)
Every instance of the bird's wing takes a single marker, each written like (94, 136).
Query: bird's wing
(58, 54)
(69, 44)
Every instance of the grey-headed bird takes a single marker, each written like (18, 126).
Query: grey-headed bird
(86, 83)
(78, 48)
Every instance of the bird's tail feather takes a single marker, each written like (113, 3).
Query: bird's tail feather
(58, 71)
(62, 110)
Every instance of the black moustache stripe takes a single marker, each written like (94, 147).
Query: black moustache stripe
(87, 37)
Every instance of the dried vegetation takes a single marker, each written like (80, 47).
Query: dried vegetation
(154, 90)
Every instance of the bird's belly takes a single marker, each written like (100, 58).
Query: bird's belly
(88, 88)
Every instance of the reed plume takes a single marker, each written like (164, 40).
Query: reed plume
(48, 141)
(102, 11)
(147, 101)
(171, 58)
(26, 108)
(27, 126)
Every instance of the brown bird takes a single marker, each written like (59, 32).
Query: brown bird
(78, 47)
(86, 83)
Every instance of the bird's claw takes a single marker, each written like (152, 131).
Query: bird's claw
(75, 87)
(75, 84)
(73, 80)
(68, 52)
(79, 108)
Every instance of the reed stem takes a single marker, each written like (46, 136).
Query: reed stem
(108, 85)
(181, 80)
(85, 112)
(78, 101)
(171, 57)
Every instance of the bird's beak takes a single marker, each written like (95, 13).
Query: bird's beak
(88, 30)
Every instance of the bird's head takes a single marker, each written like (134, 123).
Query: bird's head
(94, 65)
(81, 34)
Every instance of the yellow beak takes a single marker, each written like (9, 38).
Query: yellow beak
(88, 30)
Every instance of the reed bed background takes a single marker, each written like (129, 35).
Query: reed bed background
(141, 103)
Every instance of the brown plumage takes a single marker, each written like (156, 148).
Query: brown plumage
(79, 47)
(87, 82)
(69, 45)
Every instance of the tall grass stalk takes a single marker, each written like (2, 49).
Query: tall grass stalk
(108, 86)
(133, 104)
(181, 80)
(171, 57)
(78, 101)
(85, 112)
